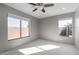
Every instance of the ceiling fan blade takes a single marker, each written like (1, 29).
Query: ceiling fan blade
(48, 5)
(43, 10)
(34, 9)
(32, 4)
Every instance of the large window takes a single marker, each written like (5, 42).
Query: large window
(17, 27)
(65, 27)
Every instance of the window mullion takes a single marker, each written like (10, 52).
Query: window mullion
(20, 27)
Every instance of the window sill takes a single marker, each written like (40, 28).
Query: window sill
(18, 38)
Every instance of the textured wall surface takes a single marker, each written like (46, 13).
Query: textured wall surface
(4, 43)
(49, 28)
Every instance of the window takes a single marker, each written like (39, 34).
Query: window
(13, 28)
(65, 27)
(17, 27)
(24, 28)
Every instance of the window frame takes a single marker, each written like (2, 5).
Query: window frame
(66, 18)
(20, 18)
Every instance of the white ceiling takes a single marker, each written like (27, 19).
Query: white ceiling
(57, 9)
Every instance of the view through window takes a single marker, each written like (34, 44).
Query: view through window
(24, 28)
(65, 27)
(17, 28)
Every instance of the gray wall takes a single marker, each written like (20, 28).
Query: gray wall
(49, 28)
(4, 43)
(45, 28)
(77, 27)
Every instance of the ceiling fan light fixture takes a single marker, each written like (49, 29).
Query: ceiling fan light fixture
(41, 5)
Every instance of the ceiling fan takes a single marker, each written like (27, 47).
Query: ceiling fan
(43, 5)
